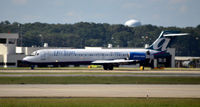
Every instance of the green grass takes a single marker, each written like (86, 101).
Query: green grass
(99, 80)
(84, 73)
(81, 73)
(99, 102)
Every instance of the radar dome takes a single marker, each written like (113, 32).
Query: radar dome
(132, 23)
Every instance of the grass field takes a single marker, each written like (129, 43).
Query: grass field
(91, 79)
(98, 102)
(84, 73)
(99, 80)
(89, 73)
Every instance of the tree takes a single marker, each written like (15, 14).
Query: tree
(83, 34)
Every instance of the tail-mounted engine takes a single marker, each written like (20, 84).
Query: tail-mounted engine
(137, 56)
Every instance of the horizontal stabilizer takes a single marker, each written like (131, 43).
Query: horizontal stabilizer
(112, 61)
(178, 34)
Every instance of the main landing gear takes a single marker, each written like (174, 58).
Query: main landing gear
(108, 67)
(32, 67)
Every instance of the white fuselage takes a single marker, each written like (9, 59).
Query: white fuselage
(80, 55)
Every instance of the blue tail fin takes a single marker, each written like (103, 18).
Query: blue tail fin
(164, 40)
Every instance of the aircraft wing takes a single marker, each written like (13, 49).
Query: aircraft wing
(117, 61)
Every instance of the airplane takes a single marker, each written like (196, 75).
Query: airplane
(109, 58)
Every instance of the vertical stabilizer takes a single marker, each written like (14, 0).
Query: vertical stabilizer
(164, 40)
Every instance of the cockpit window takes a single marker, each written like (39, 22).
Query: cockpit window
(34, 53)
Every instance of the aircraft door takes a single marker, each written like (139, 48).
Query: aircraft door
(43, 56)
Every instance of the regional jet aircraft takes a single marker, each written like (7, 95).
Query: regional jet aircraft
(106, 57)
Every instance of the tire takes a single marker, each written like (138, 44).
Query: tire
(105, 67)
(110, 67)
(32, 67)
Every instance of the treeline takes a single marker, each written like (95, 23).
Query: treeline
(83, 34)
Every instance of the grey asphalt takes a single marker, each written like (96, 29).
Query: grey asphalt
(62, 73)
(101, 70)
(100, 90)
(101, 75)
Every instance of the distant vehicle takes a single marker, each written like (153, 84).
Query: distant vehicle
(106, 57)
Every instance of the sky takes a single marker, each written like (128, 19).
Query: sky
(180, 13)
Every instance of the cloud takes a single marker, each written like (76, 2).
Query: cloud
(58, 2)
(183, 9)
(72, 14)
(78, 16)
(31, 18)
(98, 15)
(156, 17)
(19, 2)
(177, 1)
(131, 5)
(180, 6)
(132, 16)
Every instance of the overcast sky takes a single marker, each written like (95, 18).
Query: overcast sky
(181, 13)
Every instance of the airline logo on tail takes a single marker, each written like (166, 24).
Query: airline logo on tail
(161, 44)
(164, 40)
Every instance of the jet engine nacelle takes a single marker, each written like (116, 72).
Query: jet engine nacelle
(137, 56)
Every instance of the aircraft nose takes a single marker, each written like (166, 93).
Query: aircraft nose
(26, 59)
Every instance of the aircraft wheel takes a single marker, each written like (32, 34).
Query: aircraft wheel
(105, 67)
(32, 67)
(110, 67)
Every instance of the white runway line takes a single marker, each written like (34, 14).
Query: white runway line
(101, 70)
(93, 90)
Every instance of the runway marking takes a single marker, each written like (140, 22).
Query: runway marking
(100, 75)
(94, 90)
(100, 71)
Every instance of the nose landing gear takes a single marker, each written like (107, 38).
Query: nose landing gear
(32, 67)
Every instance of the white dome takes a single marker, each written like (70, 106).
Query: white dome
(132, 23)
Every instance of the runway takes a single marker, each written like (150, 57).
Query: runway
(101, 70)
(96, 73)
(100, 75)
(94, 90)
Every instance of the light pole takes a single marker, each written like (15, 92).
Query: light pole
(41, 39)
(20, 34)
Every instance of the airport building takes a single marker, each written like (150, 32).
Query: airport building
(189, 62)
(11, 55)
(8, 56)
